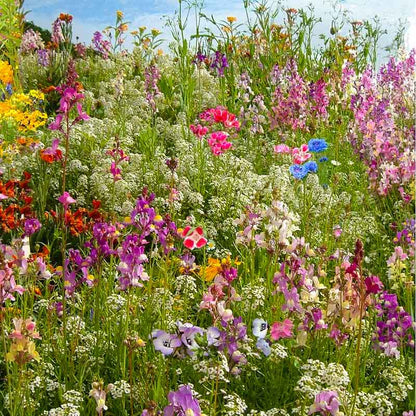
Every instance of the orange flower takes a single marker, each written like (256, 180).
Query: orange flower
(231, 19)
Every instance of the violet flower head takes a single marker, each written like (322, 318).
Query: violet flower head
(31, 226)
(182, 403)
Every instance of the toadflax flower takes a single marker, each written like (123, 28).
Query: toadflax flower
(281, 329)
(182, 403)
(65, 199)
(326, 403)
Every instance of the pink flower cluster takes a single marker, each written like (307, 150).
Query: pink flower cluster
(216, 122)
(299, 154)
(297, 104)
(383, 129)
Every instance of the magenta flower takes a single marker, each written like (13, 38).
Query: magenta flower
(373, 285)
(326, 403)
(65, 199)
(218, 142)
(182, 403)
(281, 330)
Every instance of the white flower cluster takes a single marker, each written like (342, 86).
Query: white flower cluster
(185, 285)
(212, 369)
(66, 409)
(115, 303)
(398, 386)
(120, 388)
(252, 297)
(234, 405)
(317, 376)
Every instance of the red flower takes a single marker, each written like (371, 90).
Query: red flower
(193, 239)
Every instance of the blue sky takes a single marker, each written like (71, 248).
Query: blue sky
(92, 15)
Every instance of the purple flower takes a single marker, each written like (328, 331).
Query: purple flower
(182, 403)
(189, 332)
(164, 342)
(31, 226)
(326, 403)
(213, 336)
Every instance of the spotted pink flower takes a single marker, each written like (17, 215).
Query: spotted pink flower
(193, 238)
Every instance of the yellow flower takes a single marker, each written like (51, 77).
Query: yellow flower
(209, 272)
(231, 19)
(6, 73)
(120, 14)
(155, 32)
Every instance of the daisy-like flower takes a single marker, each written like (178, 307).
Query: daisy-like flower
(193, 238)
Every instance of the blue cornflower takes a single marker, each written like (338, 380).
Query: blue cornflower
(323, 159)
(311, 166)
(298, 171)
(317, 145)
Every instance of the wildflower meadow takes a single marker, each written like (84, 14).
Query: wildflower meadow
(215, 223)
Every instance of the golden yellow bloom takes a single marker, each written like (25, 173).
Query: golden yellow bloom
(231, 19)
(124, 27)
(134, 32)
(6, 73)
(142, 29)
(160, 52)
(209, 272)
(120, 14)
(155, 32)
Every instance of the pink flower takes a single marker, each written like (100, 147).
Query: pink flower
(199, 130)
(65, 199)
(193, 239)
(337, 231)
(281, 330)
(218, 142)
(301, 155)
(282, 148)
